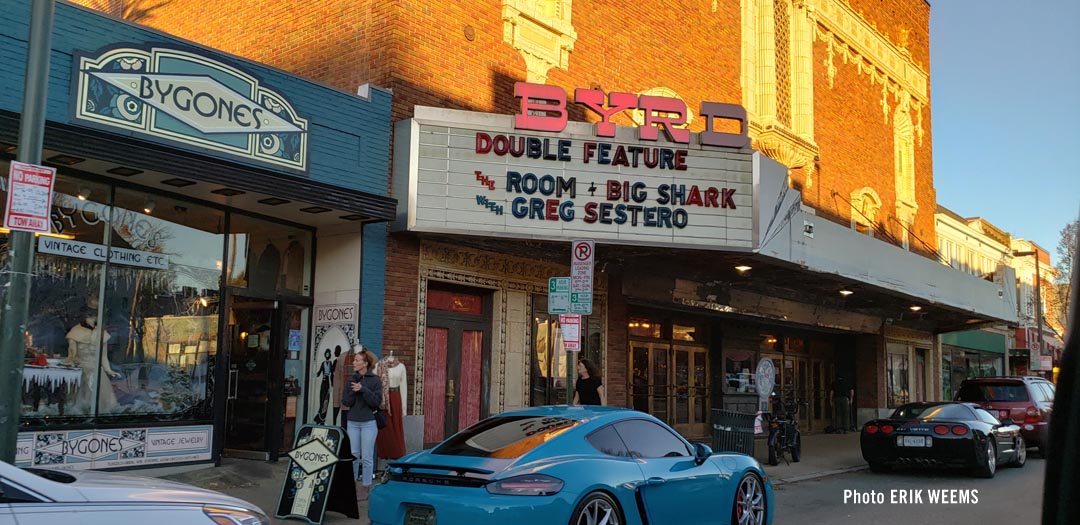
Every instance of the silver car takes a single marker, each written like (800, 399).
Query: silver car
(49, 497)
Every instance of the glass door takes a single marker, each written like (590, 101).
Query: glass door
(691, 393)
(651, 381)
(294, 339)
(249, 361)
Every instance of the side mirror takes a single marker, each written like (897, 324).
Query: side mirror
(701, 453)
(1007, 422)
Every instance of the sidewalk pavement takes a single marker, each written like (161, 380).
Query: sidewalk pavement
(260, 482)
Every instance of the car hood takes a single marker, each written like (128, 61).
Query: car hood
(105, 487)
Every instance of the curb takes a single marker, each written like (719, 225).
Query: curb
(818, 475)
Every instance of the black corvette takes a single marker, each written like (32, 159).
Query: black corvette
(943, 434)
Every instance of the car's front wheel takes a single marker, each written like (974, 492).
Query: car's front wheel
(989, 460)
(749, 505)
(596, 509)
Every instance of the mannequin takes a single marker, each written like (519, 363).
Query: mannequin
(84, 348)
(391, 440)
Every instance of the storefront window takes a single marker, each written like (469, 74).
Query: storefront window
(548, 378)
(645, 327)
(268, 258)
(139, 339)
(739, 369)
(63, 337)
(898, 374)
(162, 305)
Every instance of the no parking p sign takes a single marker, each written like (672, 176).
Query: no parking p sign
(582, 256)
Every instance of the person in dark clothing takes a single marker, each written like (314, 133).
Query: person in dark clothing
(840, 397)
(363, 395)
(589, 389)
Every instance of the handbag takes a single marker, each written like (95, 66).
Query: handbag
(380, 418)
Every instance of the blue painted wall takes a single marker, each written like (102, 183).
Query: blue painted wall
(349, 137)
(374, 287)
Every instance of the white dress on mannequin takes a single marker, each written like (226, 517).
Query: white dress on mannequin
(85, 343)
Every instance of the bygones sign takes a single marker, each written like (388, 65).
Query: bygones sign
(478, 174)
(184, 97)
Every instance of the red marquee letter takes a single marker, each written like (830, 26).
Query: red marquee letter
(594, 100)
(650, 131)
(544, 100)
(715, 110)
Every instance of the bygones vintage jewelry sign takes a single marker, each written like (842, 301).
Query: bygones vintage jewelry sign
(187, 98)
(480, 174)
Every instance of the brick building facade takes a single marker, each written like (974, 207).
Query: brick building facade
(836, 90)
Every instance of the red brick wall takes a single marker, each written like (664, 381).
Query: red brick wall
(855, 139)
(402, 291)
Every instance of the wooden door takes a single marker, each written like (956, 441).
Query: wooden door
(455, 374)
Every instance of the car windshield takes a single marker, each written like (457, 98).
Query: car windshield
(933, 412)
(985, 391)
(505, 437)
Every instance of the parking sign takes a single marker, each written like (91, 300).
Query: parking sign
(582, 257)
(30, 190)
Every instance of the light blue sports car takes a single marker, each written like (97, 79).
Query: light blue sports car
(575, 465)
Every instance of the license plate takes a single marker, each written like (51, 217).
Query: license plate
(914, 441)
(415, 515)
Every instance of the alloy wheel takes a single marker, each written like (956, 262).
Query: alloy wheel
(597, 511)
(1021, 451)
(991, 457)
(750, 501)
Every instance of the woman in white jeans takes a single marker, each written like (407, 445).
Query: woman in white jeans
(363, 395)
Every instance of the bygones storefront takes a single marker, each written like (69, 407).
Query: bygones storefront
(207, 245)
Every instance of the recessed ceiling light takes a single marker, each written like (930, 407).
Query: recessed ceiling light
(846, 293)
(315, 209)
(353, 217)
(84, 193)
(148, 208)
(178, 183)
(916, 308)
(743, 268)
(228, 192)
(273, 201)
(124, 172)
(65, 160)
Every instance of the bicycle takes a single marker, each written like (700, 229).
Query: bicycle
(784, 438)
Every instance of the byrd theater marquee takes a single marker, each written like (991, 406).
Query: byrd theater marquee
(535, 175)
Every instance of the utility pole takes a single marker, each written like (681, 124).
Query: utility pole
(1038, 300)
(13, 317)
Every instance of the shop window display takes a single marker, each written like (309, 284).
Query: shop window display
(268, 258)
(123, 324)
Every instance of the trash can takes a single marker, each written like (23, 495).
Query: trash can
(733, 432)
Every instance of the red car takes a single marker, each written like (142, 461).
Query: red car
(1026, 400)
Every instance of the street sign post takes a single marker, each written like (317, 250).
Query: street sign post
(559, 295)
(582, 257)
(570, 325)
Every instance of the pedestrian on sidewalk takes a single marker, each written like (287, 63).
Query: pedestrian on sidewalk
(589, 389)
(363, 396)
(840, 396)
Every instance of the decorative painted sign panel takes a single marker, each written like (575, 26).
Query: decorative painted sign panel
(187, 98)
(111, 448)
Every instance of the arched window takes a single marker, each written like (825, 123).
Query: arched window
(865, 204)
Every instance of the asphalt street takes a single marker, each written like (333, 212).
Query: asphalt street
(907, 497)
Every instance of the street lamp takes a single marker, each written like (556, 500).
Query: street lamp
(1038, 298)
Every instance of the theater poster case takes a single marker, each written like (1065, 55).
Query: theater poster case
(112, 448)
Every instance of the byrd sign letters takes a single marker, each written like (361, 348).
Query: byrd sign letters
(538, 175)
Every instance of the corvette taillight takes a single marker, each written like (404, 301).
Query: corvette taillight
(941, 430)
(1032, 416)
(871, 429)
(887, 429)
(959, 430)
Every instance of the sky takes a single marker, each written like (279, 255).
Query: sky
(1005, 102)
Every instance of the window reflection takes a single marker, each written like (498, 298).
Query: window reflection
(268, 257)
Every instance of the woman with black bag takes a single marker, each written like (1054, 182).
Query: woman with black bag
(363, 396)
